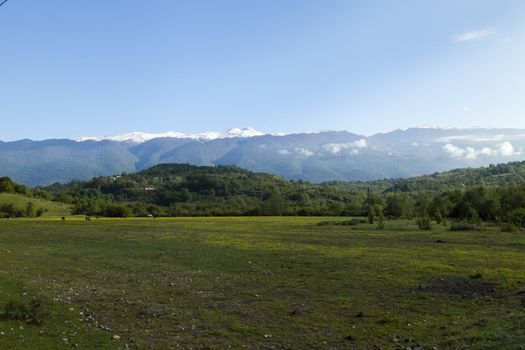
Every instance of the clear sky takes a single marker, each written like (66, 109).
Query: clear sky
(98, 67)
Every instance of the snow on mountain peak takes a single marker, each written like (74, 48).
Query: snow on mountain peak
(140, 137)
(245, 132)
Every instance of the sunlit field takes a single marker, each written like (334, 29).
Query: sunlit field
(258, 283)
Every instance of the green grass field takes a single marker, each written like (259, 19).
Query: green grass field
(20, 201)
(261, 283)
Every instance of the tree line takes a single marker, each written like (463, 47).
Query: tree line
(184, 190)
(471, 196)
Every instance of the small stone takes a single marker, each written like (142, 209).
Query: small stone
(115, 337)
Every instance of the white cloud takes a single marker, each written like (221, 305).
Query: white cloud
(505, 149)
(454, 151)
(299, 150)
(475, 138)
(487, 151)
(334, 147)
(360, 143)
(474, 35)
(303, 151)
(353, 147)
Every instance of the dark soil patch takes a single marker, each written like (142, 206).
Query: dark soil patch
(300, 309)
(461, 287)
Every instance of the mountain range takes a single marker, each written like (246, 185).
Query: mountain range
(315, 156)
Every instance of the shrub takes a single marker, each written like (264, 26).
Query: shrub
(508, 228)
(30, 209)
(517, 217)
(380, 223)
(424, 223)
(8, 210)
(371, 217)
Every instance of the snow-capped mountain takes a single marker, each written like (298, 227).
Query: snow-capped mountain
(313, 156)
(140, 137)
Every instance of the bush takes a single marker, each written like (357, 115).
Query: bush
(116, 211)
(30, 209)
(424, 223)
(380, 223)
(8, 210)
(508, 228)
(517, 217)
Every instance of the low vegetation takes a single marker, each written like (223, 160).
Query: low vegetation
(259, 283)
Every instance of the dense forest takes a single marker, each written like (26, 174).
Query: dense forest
(468, 196)
(180, 189)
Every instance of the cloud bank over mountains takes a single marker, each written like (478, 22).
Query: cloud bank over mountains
(312, 156)
(505, 149)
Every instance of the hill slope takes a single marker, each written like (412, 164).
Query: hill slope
(20, 202)
(512, 174)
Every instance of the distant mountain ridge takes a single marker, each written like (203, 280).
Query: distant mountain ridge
(140, 137)
(315, 156)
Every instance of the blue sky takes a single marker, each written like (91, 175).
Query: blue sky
(98, 67)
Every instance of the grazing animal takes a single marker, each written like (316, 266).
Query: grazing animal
(63, 218)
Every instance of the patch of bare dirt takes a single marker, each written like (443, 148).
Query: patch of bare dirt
(461, 287)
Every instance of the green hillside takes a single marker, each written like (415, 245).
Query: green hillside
(181, 190)
(491, 176)
(20, 202)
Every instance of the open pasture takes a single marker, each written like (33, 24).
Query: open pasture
(259, 283)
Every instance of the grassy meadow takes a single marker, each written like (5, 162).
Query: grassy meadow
(258, 283)
(20, 202)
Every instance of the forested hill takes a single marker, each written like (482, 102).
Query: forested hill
(493, 175)
(182, 189)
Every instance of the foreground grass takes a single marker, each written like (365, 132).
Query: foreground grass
(261, 283)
